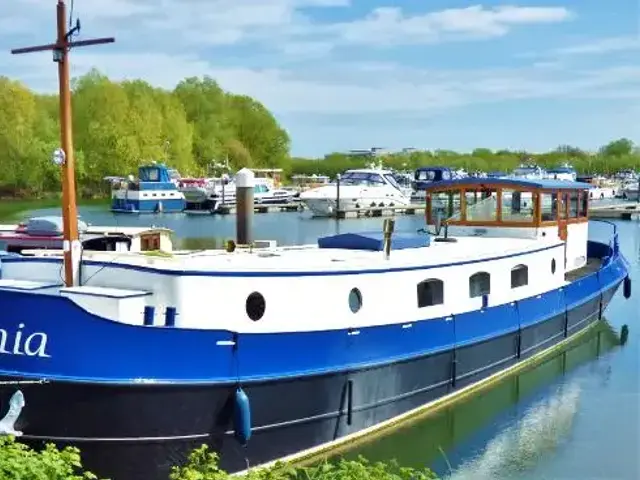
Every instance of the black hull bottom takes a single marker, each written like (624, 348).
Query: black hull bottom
(145, 429)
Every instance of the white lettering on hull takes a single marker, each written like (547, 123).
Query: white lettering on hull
(23, 343)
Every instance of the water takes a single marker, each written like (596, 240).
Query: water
(576, 416)
(288, 228)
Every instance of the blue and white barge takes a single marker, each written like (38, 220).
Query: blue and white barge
(276, 352)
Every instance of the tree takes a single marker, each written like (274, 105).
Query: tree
(257, 130)
(204, 104)
(618, 148)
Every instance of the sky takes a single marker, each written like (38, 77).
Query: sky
(353, 74)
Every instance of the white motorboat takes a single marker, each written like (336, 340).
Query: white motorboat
(263, 194)
(358, 188)
(529, 172)
(563, 172)
(212, 193)
(630, 190)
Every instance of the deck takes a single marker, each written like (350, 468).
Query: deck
(311, 258)
(592, 266)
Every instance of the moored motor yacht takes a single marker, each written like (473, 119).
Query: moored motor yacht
(563, 172)
(356, 189)
(195, 190)
(529, 171)
(154, 191)
(214, 193)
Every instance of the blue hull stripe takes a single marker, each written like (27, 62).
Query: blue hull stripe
(118, 353)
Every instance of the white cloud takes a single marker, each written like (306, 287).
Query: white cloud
(357, 88)
(193, 23)
(389, 25)
(602, 45)
(590, 47)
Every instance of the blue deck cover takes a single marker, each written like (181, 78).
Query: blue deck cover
(374, 241)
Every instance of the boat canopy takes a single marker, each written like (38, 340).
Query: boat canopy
(154, 173)
(374, 241)
(507, 202)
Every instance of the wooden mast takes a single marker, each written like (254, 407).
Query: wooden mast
(64, 156)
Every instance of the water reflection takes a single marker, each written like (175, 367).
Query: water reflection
(519, 447)
(504, 430)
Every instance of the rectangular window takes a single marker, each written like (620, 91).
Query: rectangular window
(482, 205)
(584, 204)
(479, 284)
(561, 204)
(517, 206)
(446, 205)
(430, 292)
(548, 206)
(519, 276)
(574, 204)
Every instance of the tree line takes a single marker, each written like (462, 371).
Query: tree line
(196, 128)
(119, 125)
(617, 155)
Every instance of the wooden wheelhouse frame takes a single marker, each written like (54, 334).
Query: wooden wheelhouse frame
(560, 196)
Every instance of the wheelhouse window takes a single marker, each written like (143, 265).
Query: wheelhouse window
(446, 205)
(519, 276)
(481, 205)
(574, 204)
(548, 206)
(491, 205)
(479, 284)
(517, 206)
(561, 204)
(584, 204)
(430, 292)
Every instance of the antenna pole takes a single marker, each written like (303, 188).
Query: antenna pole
(69, 207)
(64, 156)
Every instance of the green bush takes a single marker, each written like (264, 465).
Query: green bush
(19, 462)
(203, 465)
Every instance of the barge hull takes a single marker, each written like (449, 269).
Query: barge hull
(137, 432)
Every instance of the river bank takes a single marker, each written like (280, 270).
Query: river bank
(17, 209)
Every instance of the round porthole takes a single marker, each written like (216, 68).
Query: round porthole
(355, 300)
(255, 306)
(553, 266)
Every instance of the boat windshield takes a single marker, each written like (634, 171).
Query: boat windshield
(149, 174)
(426, 175)
(362, 178)
(392, 180)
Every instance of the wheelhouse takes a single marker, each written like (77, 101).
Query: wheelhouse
(542, 209)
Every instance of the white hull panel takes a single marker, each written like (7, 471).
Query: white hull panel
(326, 207)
